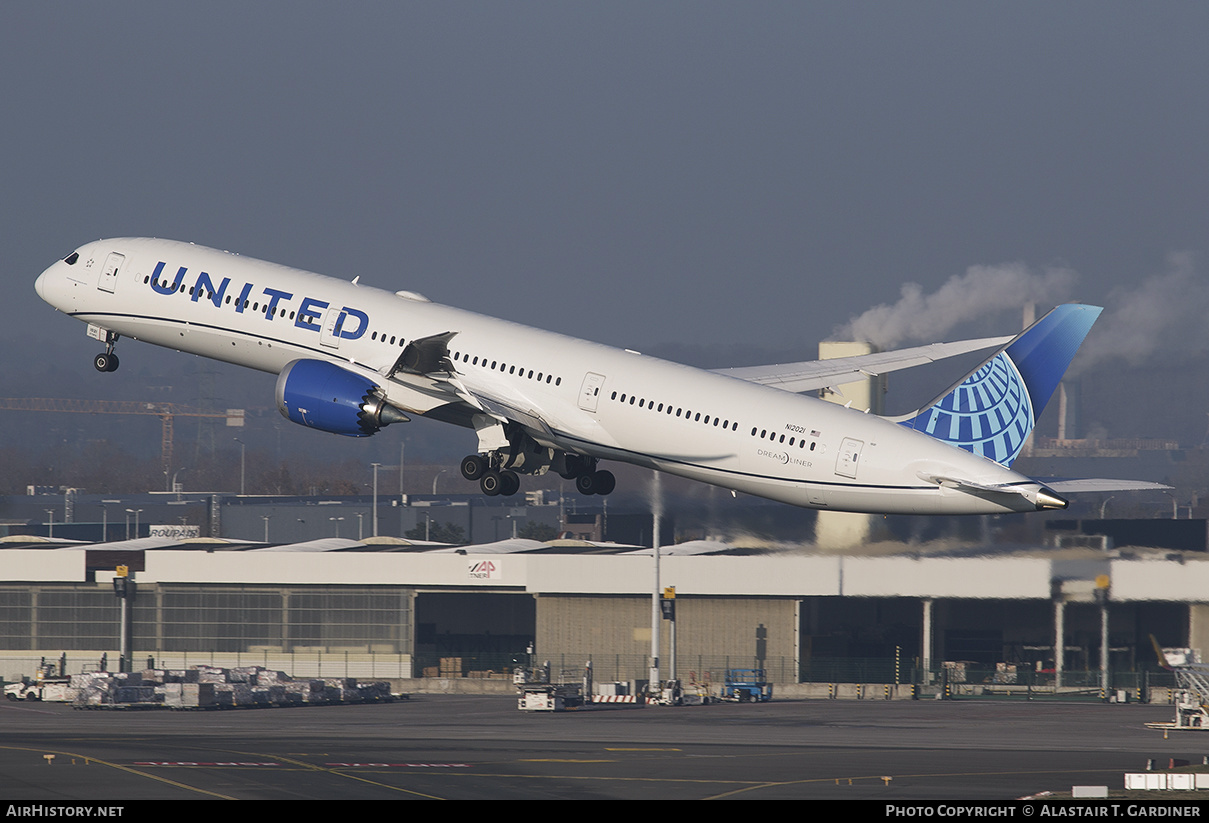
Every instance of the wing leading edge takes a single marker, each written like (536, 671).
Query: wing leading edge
(810, 375)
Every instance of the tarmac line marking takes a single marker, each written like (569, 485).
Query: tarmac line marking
(202, 763)
(341, 773)
(375, 764)
(882, 777)
(127, 769)
(515, 776)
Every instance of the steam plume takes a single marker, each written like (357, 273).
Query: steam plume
(981, 291)
(1167, 312)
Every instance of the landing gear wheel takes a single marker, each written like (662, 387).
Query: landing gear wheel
(586, 484)
(474, 467)
(105, 361)
(491, 483)
(598, 482)
(604, 482)
(510, 483)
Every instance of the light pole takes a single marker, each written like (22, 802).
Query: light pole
(105, 519)
(1175, 506)
(360, 525)
(50, 524)
(656, 609)
(375, 519)
(266, 518)
(135, 512)
(242, 449)
(434, 481)
(336, 521)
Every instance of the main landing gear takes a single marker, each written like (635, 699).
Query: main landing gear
(601, 481)
(107, 360)
(494, 479)
(588, 479)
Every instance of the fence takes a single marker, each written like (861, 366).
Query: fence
(964, 681)
(367, 665)
(624, 668)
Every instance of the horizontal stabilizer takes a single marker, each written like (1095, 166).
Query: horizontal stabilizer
(1100, 484)
(1036, 495)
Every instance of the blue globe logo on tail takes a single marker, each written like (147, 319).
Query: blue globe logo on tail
(992, 411)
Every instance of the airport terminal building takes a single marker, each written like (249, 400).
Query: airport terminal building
(389, 608)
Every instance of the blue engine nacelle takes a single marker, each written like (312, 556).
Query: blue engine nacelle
(323, 396)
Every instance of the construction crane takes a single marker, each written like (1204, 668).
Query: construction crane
(164, 411)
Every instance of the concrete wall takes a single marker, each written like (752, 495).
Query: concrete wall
(1160, 580)
(712, 634)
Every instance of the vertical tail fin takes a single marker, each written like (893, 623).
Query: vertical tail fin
(1158, 652)
(994, 409)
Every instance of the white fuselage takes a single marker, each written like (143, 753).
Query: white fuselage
(586, 398)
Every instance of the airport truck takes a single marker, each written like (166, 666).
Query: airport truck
(54, 689)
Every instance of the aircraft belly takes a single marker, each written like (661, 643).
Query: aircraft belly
(219, 344)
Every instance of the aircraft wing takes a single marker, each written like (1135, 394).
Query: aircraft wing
(821, 374)
(424, 371)
(504, 408)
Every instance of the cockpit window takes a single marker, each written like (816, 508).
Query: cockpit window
(72, 258)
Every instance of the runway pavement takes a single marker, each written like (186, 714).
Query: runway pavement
(481, 747)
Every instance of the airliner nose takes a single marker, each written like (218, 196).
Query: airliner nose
(45, 284)
(53, 277)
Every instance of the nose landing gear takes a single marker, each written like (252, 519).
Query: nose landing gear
(107, 360)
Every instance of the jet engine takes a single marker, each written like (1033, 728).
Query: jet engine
(323, 396)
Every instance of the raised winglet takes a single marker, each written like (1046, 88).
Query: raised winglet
(994, 409)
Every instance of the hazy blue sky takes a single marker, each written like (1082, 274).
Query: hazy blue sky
(723, 183)
(635, 172)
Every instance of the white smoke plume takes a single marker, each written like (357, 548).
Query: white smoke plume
(1166, 314)
(981, 291)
